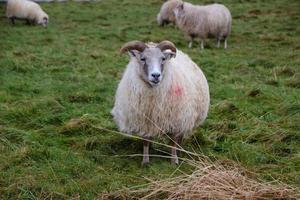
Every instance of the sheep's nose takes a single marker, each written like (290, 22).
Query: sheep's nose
(155, 75)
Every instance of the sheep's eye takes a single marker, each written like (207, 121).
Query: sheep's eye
(163, 59)
(143, 59)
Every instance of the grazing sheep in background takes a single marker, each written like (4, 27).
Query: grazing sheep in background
(204, 22)
(166, 14)
(162, 91)
(28, 10)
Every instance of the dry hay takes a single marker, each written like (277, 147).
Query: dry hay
(210, 181)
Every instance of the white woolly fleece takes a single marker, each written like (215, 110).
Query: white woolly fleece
(24, 9)
(175, 106)
(212, 20)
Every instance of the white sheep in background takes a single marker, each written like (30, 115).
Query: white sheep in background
(28, 10)
(204, 22)
(162, 91)
(166, 14)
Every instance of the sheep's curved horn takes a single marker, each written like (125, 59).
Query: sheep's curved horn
(133, 45)
(166, 45)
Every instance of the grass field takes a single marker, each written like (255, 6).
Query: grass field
(57, 86)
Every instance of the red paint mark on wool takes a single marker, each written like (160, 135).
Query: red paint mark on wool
(176, 90)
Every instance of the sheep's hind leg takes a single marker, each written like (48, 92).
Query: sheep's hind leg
(176, 144)
(13, 20)
(218, 42)
(225, 43)
(146, 152)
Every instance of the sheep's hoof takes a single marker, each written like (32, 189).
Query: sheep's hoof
(145, 160)
(174, 161)
(145, 163)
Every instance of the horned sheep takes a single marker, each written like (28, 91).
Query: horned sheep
(162, 92)
(28, 10)
(209, 21)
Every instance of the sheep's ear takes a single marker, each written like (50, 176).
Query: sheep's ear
(134, 53)
(169, 54)
(181, 6)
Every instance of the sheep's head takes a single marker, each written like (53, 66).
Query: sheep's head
(179, 10)
(151, 60)
(44, 20)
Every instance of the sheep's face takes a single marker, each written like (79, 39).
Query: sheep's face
(179, 10)
(44, 21)
(151, 64)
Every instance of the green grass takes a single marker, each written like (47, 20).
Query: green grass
(58, 83)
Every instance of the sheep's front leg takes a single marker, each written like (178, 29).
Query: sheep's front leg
(146, 152)
(175, 25)
(202, 43)
(30, 22)
(176, 144)
(191, 41)
(191, 44)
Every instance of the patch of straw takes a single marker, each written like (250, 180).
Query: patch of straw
(215, 182)
(209, 181)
